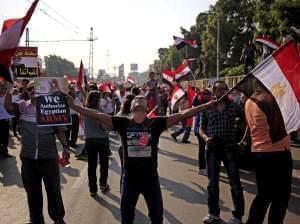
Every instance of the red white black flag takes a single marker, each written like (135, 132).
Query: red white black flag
(181, 71)
(268, 42)
(280, 75)
(180, 43)
(177, 94)
(131, 79)
(168, 77)
(12, 31)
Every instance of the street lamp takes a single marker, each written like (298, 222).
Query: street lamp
(218, 47)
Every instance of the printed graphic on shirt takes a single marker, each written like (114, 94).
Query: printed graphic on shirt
(138, 142)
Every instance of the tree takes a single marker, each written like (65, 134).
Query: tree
(57, 66)
(273, 16)
(240, 21)
(235, 19)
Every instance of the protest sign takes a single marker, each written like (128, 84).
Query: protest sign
(51, 105)
(25, 62)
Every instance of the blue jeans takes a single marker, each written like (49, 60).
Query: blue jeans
(129, 196)
(184, 129)
(229, 156)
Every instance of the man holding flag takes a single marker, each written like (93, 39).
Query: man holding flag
(272, 113)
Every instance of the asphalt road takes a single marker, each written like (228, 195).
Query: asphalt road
(184, 190)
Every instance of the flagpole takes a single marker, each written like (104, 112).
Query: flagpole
(230, 90)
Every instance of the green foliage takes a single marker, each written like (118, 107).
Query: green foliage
(233, 71)
(58, 67)
(240, 21)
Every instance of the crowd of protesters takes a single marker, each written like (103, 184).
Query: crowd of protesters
(99, 109)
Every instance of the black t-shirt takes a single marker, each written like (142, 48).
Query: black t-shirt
(139, 146)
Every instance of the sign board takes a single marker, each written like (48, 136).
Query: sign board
(51, 106)
(121, 70)
(25, 62)
(133, 67)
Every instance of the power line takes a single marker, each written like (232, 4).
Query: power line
(55, 20)
(61, 16)
(49, 41)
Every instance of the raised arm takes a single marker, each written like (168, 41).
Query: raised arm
(175, 118)
(104, 119)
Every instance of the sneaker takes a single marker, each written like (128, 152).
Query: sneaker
(211, 219)
(202, 172)
(104, 189)
(174, 137)
(235, 220)
(93, 194)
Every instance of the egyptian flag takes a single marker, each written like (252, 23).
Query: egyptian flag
(268, 42)
(168, 77)
(104, 88)
(188, 61)
(180, 43)
(153, 113)
(80, 79)
(176, 95)
(181, 71)
(12, 31)
(280, 75)
(191, 94)
(131, 79)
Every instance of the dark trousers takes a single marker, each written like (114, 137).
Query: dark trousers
(273, 180)
(164, 109)
(129, 196)
(15, 122)
(33, 172)
(4, 135)
(73, 130)
(201, 152)
(184, 129)
(97, 147)
(229, 156)
(248, 62)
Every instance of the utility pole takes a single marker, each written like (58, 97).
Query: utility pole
(218, 47)
(107, 61)
(91, 54)
(27, 38)
(115, 69)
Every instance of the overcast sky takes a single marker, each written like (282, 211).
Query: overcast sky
(130, 30)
